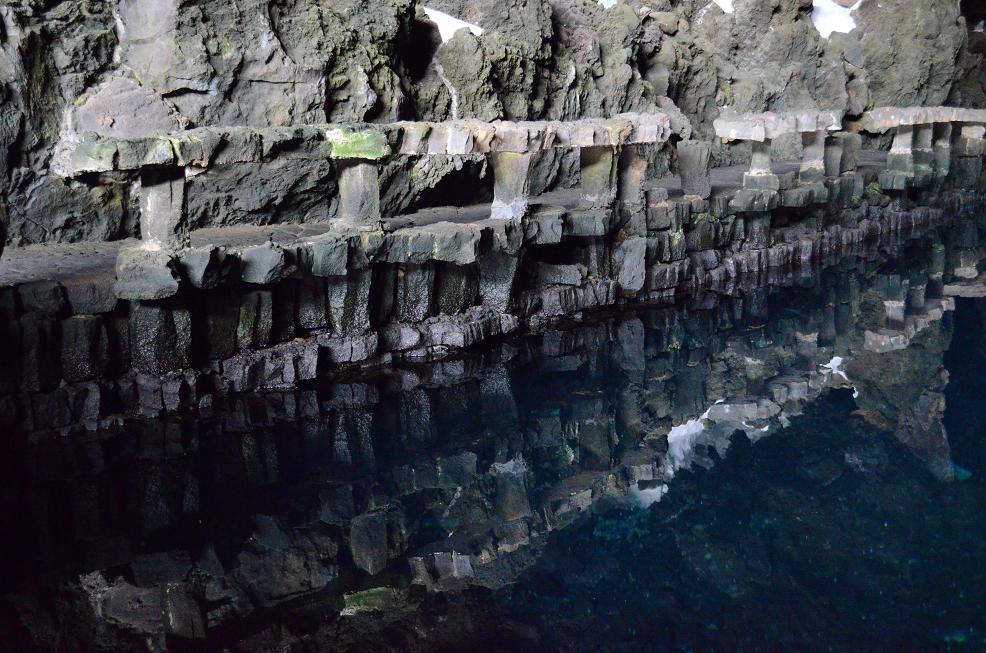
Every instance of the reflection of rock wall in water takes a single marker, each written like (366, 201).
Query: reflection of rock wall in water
(442, 476)
(279, 62)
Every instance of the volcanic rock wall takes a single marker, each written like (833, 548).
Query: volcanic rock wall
(279, 62)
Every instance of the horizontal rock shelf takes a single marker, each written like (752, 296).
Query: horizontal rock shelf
(207, 146)
(162, 162)
(883, 119)
(761, 127)
(146, 324)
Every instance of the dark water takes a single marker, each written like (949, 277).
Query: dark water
(798, 468)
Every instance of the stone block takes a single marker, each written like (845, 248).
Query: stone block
(629, 263)
(113, 356)
(40, 362)
(812, 156)
(145, 273)
(757, 230)
(90, 295)
(511, 184)
(413, 298)
(349, 304)
(852, 144)
(497, 270)
(221, 321)
(586, 222)
(747, 200)
(598, 174)
(545, 227)
(659, 216)
(567, 275)
(833, 156)
(456, 288)
(256, 320)
(368, 542)
(43, 297)
(163, 223)
(359, 193)
(761, 181)
(667, 246)
(693, 167)
(329, 255)
(262, 264)
(161, 338)
(312, 313)
(202, 267)
(80, 345)
(667, 275)
(632, 174)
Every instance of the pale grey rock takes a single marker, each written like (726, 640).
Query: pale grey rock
(568, 275)
(262, 264)
(202, 267)
(121, 108)
(145, 273)
(693, 166)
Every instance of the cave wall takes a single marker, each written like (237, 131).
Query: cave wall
(280, 62)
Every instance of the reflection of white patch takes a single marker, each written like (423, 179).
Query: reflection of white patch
(725, 5)
(980, 27)
(449, 25)
(648, 497)
(836, 366)
(681, 440)
(830, 17)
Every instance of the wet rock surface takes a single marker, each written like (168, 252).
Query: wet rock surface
(269, 63)
(505, 499)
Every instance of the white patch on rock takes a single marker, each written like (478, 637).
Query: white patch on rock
(725, 5)
(449, 25)
(453, 94)
(828, 17)
(607, 3)
(980, 26)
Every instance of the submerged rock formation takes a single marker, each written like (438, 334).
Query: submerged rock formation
(362, 501)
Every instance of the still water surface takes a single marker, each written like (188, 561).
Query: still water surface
(800, 468)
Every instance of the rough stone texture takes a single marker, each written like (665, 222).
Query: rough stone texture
(263, 264)
(270, 63)
(145, 273)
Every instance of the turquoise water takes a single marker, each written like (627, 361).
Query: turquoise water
(798, 468)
